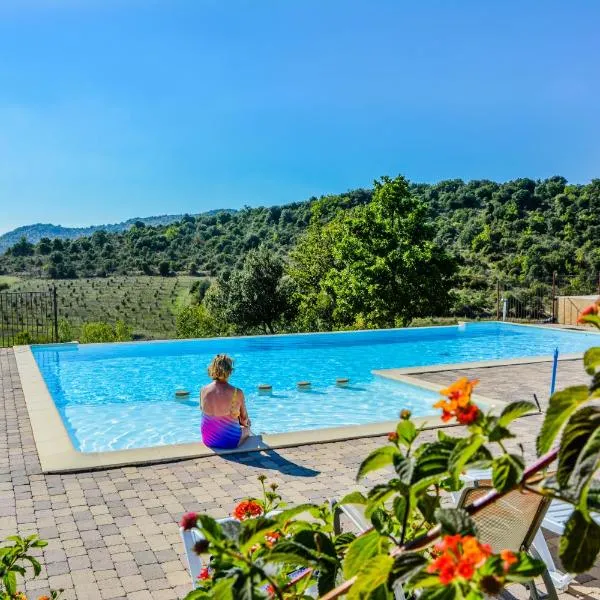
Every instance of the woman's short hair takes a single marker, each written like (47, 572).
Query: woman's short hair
(220, 367)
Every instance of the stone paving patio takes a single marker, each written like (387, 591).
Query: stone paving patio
(114, 533)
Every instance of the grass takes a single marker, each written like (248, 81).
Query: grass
(148, 304)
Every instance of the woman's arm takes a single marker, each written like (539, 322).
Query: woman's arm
(244, 418)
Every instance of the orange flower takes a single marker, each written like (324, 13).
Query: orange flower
(247, 509)
(509, 558)
(271, 538)
(460, 391)
(460, 557)
(458, 402)
(592, 309)
(392, 436)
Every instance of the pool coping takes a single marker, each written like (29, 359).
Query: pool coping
(57, 453)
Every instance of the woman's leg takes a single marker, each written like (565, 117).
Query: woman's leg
(245, 435)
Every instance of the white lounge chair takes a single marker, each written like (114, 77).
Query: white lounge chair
(195, 563)
(555, 519)
(512, 523)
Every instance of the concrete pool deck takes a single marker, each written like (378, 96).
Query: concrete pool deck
(114, 533)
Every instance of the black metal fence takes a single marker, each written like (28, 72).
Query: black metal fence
(28, 317)
(544, 302)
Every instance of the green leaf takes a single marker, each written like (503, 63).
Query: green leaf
(10, 583)
(525, 569)
(448, 592)
(379, 458)
(37, 568)
(407, 433)
(579, 454)
(326, 578)
(455, 521)
(405, 564)
(373, 573)
(433, 459)
(507, 471)
(428, 504)
(561, 406)
(591, 360)
(498, 433)
(513, 411)
(382, 521)
(379, 494)
(290, 513)
(353, 498)
(462, 454)
(203, 595)
(405, 468)
(210, 528)
(579, 430)
(343, 540)
(253, 531)
(579, 544)
(361, 549)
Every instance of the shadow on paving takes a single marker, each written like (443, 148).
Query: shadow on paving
(269, 459)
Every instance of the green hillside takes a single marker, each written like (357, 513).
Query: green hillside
(517, 233)
(147, 304)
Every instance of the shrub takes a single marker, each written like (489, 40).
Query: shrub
(65, 332)
(98, 332)
(164, 268)
(196, 322)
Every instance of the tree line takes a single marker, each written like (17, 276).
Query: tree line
(375, 257)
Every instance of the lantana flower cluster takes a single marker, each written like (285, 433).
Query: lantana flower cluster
(457, 402)
(463, 560)
(591, 310)
(458, 556)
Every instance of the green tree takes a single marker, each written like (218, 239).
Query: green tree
(195, 321)
(259, 296)
(384, 267)
(164, 268)
(22, 248)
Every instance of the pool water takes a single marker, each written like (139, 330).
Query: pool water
(115, 396)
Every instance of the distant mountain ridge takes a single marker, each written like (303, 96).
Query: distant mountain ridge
(34, 233)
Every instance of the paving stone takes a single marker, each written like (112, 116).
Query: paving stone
(114, 533)
(133, 583)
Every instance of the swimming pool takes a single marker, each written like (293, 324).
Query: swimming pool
(118, 396)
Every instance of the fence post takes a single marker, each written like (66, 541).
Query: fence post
(498, 300)
(554, 296)
(55, 302)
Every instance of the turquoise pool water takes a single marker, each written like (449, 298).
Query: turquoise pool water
(114, 396)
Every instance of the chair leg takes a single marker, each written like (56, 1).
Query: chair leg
(337, 524)
(551, 593)
(539, 549)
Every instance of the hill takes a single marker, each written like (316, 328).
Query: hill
(34, 233)
(518, 232)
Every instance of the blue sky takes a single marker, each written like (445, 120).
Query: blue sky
(111, 109)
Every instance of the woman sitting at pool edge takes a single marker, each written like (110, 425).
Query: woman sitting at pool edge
(225, 422)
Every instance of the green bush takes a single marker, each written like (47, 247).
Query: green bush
(98, 332)
(65, 331)
(196, 322)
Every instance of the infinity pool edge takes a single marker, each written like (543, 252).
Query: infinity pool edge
(57, 453)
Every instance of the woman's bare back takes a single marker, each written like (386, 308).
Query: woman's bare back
(220, 399)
